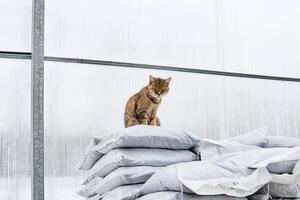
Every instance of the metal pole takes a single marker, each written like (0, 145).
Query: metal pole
(37, 100)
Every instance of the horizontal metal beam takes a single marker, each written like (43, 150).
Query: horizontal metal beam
(25, 55)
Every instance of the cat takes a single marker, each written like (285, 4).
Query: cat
(142, 107)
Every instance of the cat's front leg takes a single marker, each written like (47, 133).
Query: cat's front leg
(153, 122)
(143, 118)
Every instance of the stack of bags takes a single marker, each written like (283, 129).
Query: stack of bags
(118, 165)
(155, 163)
(252, 166)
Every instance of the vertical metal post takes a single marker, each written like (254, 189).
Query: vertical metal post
(37, 100)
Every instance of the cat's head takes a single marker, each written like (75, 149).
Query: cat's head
(158, 87)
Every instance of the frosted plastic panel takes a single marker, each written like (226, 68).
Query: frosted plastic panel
(15, 129)
(262, 37)
(168, 32)
(15, 23)
(254, 103)
(86, 100)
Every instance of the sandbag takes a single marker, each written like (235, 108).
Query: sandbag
(122, 193)
(138, 136)
(282, 167)
(171, 195)
(252, 137)
(147, 137)
(207, 178)
(210, 149)
(262, 194)
(119, 177)
(138, 157)
(95, 197)
(286, 185)
(259, 138)
(91, 156)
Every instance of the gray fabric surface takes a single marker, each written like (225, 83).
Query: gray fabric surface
(171, 195)
(147, 137)
(119, 177)
(138, 157)
(123, 193)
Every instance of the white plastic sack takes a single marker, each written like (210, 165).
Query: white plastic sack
(207, 178)
(138, 157)
(138, 136)
(210, 149)
(259, 138)
(122, 193)
(252, 136)
(119, 177)
(171, 195)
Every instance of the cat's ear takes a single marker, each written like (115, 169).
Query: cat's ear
(151, 79)
(168, 80)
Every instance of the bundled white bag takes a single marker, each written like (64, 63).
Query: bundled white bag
(207, 178)
(119, 177)
(259, 138)
(211, 149)
(252, 137)
(138, 157)
(231, 151)
(122, 193)
(139, 136)
(171, 195)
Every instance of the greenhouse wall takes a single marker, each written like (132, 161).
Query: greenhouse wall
(84, 100)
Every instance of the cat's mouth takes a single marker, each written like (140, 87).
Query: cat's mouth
(154, 97)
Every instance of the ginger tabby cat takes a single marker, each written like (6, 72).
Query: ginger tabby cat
(142, 107)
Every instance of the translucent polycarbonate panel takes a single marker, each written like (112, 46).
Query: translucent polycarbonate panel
(252, 103)
(87, 100)
(15, 129)
(261, 37)
(15, 23)
(168, 32)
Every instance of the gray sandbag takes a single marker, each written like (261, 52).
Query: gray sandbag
(286, 185)
(147, 137)
(138, 157)
(119, 177)
(262, 194)
(284, 167)
(91, 156)
(207, 178)
(172, 195)
(122, 193)
(95, 197)
(140, 136)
